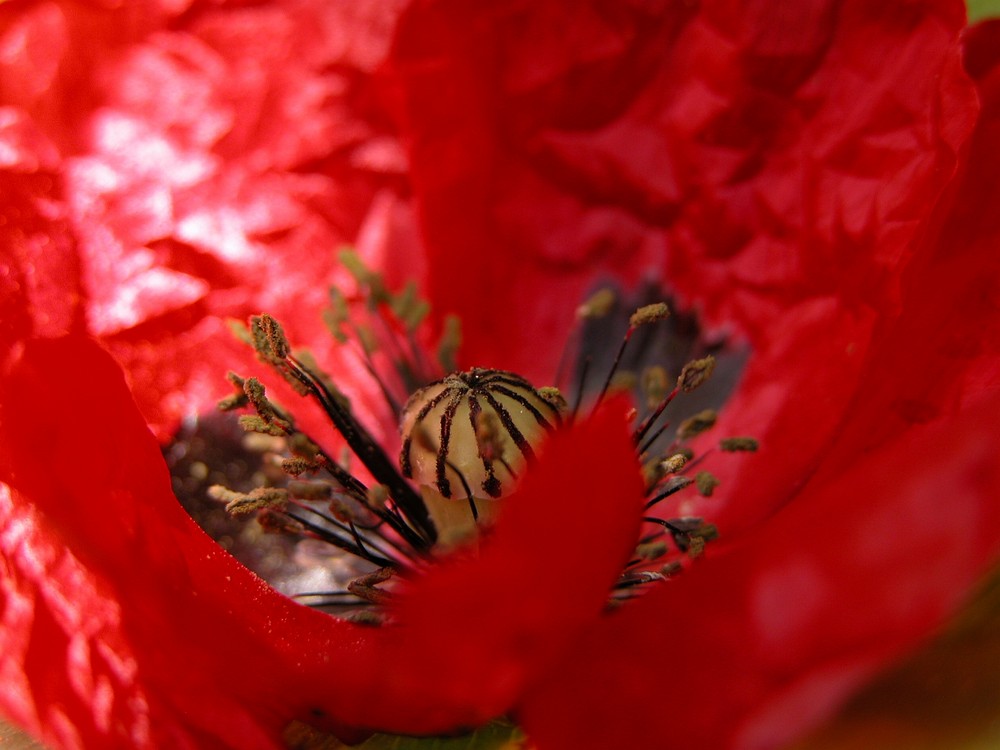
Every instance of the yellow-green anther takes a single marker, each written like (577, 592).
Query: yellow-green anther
(695, 373)
(296, 466)
(232, 401)
(673, 464)
(310, 490)
(748, 444)
(239, 503)
(655, 384)
(706, 483)
(597, 305)
(253, 423)
(649, 314)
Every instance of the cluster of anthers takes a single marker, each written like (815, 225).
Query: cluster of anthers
(466, 439)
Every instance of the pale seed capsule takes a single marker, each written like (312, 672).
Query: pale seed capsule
(466, 439)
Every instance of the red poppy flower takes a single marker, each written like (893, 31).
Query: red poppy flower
(809, 177)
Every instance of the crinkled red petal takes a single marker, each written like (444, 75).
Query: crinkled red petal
(40, 288)
(123, 624)
(206, 171)
(884, 543)
(749, 156)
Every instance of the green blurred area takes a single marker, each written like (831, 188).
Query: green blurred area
(497, 735)
(980, 9)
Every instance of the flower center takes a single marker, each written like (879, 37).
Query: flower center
(467, 439)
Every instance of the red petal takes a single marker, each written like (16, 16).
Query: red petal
(751, 156)
(39, 268)
(749, 649)
(208, 172)
(928, 355)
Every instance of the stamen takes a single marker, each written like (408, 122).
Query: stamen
(342, 521)
(624, 381)
(684, 530)
(651, 551)
(654, 385)
(377, 496)
(253, 423)
(695, 373)
(302, 445)
(297, 466)
(739, 444)
(673, 464)
(649, 314)
(330, 594)
(364, 276)
(337, 315)
(652, 472)
(639, 579)
(366, 587)
(276, 341)
(366, 337)
(706, 483)
(331, 599)
(598, 305)
(310, 490)
(642, 316)
(257, 397)
(409, 308)
(451, 340)
(235, 400)
(239, 503)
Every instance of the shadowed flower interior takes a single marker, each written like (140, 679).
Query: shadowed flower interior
(818, 178)
(466, 440)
